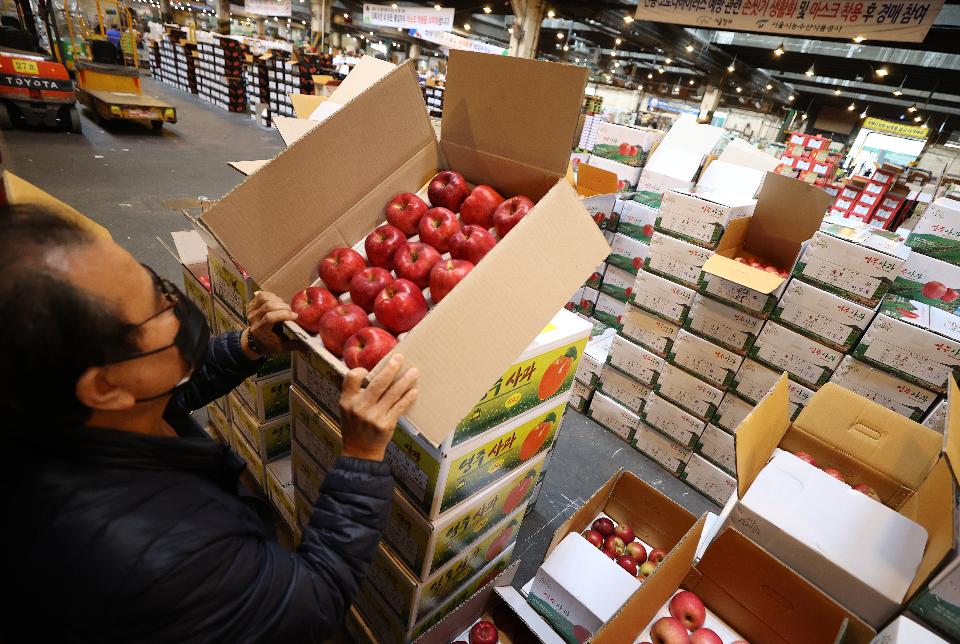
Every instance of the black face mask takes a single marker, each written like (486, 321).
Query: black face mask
(192, 339)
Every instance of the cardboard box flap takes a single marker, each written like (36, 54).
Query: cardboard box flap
(305, 104)
(287, 216)
(365, 74)
(594, 181)
(191, 248)
(247, 168)
(951, 429)
(739, 152)
(893, 445)
(760, 433)
(788, 213)
(293, 129)
(17, 192)
(531, 618)
(508, 96)
(926, 507)
(521, 282)
(724, 179)
(740, 273)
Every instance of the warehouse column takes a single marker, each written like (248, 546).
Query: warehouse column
(165, 14)
(526, 27)
(711, 98)
(320, 12)
(223, 16)
(414, 51)
(261, 26)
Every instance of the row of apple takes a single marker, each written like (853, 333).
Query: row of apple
(619, 542)
(404, 257)
(685, 624)
(863, 488)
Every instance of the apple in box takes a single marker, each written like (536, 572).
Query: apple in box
(382, 244)
(478, 208)
(405, 212)
(310, 304)
(338, 268)
(414, 261)
(366, 285)
(438, 227)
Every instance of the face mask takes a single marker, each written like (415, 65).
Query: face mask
(193, 335)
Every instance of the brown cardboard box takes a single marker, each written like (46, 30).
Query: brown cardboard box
(16, 192)
(285, 217)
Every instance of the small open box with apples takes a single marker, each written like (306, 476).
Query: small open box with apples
(755, 254)
(870, 554)
(291, 213)
(736, 593)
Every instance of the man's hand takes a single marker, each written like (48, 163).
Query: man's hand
(263, 313)
(370, 413)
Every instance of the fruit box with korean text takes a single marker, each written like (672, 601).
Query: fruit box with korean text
(650, 331)
(225, 321)
(904, 630)
(191, 251)
(733, 409)
(913, 341)
(594, 357)
(808, 361)
(936, 418)
(627, 253)
(829, 319)
(246, 452)
(622, 388)
(868, 555)
(754, 381)
(700, 219)
(688, 392)
(600, 208)
(744, 592)
(676, 424)
(873, 383)
(930, 281)
(617, 283)
(611, 415)
(676, 259)
(704, 359)
(635, 361)
(622, 143)
(219, 421)
(708, 479)
(627, 175)
(661, 449)
(270, 440)
(725, 325)
(937, 234)
(660, 296)
(287, 215)
(636, 220)
(279, 489)
(774, 235)
(717, 446)
(608, 309)
(230, 284)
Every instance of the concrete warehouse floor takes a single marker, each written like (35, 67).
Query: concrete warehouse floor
(134, 183)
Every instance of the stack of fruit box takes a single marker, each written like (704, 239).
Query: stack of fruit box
(587, 377)
(621, 149)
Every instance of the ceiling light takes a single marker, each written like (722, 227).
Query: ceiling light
(779, 50)
(558, 45)
(837, 92)
(883, 71)
(650, 75)
(487, 9)
(897, 92)
(690, 82)
(803, 117)
(912, 108)
(809, 72)
(628, 19)
(551, 13)
(660, 70)
(667, 60)
(560, 36)
(466, 26)
(689, 48)
(769, 87)
(576, 60)
(565, 48)
(617, 41)
(917, 118)
(851, 107)
(437, 7)
(791, 97)
(393, 6)
(509, 30)
(863, 114)
(858, 39)
(346, 15)
(616, 64)
(731, 68)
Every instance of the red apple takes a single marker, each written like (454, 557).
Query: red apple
(400, 306)
(484, 632)
(405, 211)
(367, 347)
(413, 262)
(594, 537)
(446, 275)
(580, 633)
(688, 608)
(338, 268)
(610, 552)
(471, 243)
(835, 473)
(382, 244)
(437, 227)
(705, 636)
(869, 491)
(339, 323)
(646, 568)
(784, 273)
(648, 230)
(656, 556)
(669, 630)
(627, 563)
(477, 209)
(933, 290)
(310, 304)
(448, 189)
(803, 456)
(949, 296)
(366, 284)
(772, 269)
(624, 149)
(604, 526)
(625, 532)
(636, 550)
(509, 213)
(614, 542)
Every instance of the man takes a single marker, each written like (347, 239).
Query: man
(123, 521)
(113, 35)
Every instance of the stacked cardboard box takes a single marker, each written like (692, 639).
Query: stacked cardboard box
(174, 63)
(622, 150)
(433, 97)
(219, 69)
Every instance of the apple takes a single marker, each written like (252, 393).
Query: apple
(705, 636)
(471, 243)
(382, 244)
(613, 542)
(338, 268)
(400, 306)
(594, 537)
(477, 209)
(339, 323)
(784, 274)
(366, 284)
(446, 275)
(413, 262)
(367, 347)
(656, 556)
(933, 290)
(405, 212)
(604, 526)
(509, 213)
(206, 282)
(310, 304)
(863, 488)
(625, 532)
(949, 296)
(669, 630)
(624, 149)
(610, 552)
(580, 633)
(636, 550)
(803, 456)
(688, 608)
(437, 227)
(835, 473)
(772, 269)
(484, 632)
(627, 563)
(647, 568)
(448, 189)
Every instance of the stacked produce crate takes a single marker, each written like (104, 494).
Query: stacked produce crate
(173, 59)
(433, 97)
(220, 77)
(809, 158)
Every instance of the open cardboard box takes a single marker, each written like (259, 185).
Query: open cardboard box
(904, 462)
(746, 588)
(788, 213)
(191, 251)
(289, 214)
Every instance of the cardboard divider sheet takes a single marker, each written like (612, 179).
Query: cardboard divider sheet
(926, 508)
(760, 433)
(593, 181)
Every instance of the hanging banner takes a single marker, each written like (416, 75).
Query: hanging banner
(453, 41)
(408, 17)
(897, 129)
(891, 20)
(269, 7)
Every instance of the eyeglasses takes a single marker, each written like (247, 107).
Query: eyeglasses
(167, 290)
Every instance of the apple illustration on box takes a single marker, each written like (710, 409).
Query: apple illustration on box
(519, 491)
(535, 439)
(555, 374)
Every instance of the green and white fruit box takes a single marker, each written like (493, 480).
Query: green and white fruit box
(664, 451)
(627, 176)
(676, 259)
(609, 310)
(589, 299)
(930, 281)
(755, 380)
(594, 357)
(806, 360)
(249, 455)
(623, 389)
(280, 490)
(194, 289)
(651, 332)
(613, 416)
(709, 480)
(318, 380)
(936, 418)
(739, 296)
(648, 198)
(635, 361)
(728, 326)
(705, 359)
(913, 341)
(600, 208)
(596, 278)
(660, 296)
(822, 316)
(270, 439)
(611, 137)
(671, 421)
(733, 409)
(937, 234)
(718, 447)
(860, 267)
(637, 220)
(908, 630)
(267, 398)
(627, 253)
(225, 321)
(218, 420)
(230, 285)
(688, 392)
(617, 283)
(873, 383)
(699, 219)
